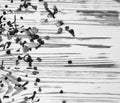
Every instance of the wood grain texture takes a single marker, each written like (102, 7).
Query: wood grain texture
(94, 74)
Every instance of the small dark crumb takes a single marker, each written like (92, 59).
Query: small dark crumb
(8, 67)
(4, 18)
(30, 49)
(17, 68)
(66, 28)
(24, 88)
(40, 0)
(59, 30)
(35, 84)
(35, 68)
(21, 17)
(9, 23)
(19, 79)
(35, 72)
(26, 75)
(47, 37)
(42, 42)
(17, 62)
(38, 100)
(61, 91)
(5, 96)
(18, 50)
(70, 62)
(18, 85)
(4, 24)
(25, 98)
(37, 80)
(71, 31)
(60, 22)
(39, 89)
(11, 1)
(2, 85)
(21, 31)
(10, 73)
(36, 36)
(6, 6)
(19, 9)
(29, 28)
(63, 101)
(19, 57)
(31, 40)
(6, 78)
(25, 6)
(16, 30)
(39, 40)
(8, 52)
(4, 12)
(39, 59)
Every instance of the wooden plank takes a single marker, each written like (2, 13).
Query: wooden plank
(80, 69)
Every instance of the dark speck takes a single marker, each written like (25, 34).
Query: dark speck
(2, 85)
(6, 6)
(70, 62)
(19, 57)
(26, 75)
(8, 68)
(4, 18)
(25, 98)
(47, 37)
(59, 30)
(35, 72)
(16, 30)
(63, 101)
(37, 80)
(61, 91)
(6, 78)
(39, 59)
(39, 89)
(21, 31)
(5, 97)
(35, 68)
(4, 12)
(42, 42)
(24, 88)
(19, 79)
(21, 17)
(8, 52)
(40, 0)
(11, 1)
(67, 28)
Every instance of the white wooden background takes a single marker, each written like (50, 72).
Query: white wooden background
(94, 75)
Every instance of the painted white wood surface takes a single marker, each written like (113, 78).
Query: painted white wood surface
(96, 46)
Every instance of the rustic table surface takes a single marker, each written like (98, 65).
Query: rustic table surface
(80, 69)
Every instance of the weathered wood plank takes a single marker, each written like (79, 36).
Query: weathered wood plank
(94, 74)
